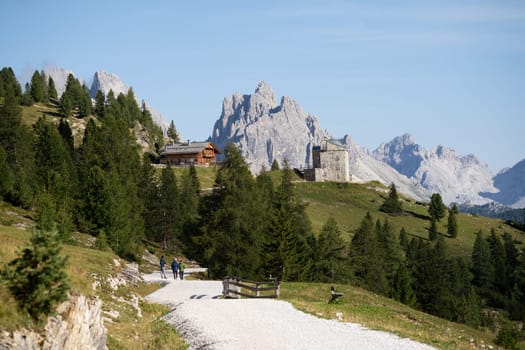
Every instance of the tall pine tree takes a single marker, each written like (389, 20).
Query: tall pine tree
(366, 258)
(330, 258)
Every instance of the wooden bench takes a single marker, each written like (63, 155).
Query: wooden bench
(334, 296)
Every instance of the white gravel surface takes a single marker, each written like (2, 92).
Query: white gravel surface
(207, 322)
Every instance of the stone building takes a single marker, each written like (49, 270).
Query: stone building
(330, 163)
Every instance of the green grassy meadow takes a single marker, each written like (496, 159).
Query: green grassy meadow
(379, 313)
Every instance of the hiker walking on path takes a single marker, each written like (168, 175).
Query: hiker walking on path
(182, 266)
(175, 268)
(162, 263)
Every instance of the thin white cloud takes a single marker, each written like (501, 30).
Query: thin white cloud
(416, 10)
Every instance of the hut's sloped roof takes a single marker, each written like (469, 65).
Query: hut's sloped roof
(186, 148)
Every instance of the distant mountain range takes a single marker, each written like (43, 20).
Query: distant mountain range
(265, 130)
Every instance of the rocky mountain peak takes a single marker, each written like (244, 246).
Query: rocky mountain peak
(510, 185)
(105, 82)
(265, 92)
(440, 170)
(265, 131)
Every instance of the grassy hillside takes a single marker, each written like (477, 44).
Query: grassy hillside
(348, 204)
(379, 313)
(86, 266)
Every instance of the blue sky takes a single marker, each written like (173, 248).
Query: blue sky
(448, 72)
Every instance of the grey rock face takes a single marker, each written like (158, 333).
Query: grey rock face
(81, 328)
(511, 185)
(439, 170)
(264, 130)
(105, 81)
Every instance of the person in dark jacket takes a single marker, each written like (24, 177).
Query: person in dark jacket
(162, 264)
(175, 268)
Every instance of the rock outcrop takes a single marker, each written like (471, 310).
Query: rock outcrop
(266, 131)
(79, 325)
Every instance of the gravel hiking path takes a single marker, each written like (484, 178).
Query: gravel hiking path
(207, 322)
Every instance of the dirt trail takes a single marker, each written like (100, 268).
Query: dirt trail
(207, 322)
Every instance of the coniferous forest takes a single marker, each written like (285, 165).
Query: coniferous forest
(253, 227)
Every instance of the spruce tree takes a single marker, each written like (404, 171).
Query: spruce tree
(170, 202)
(518, 293)
(366, 259)
(275, 165)
(100, 104)
(402, 286)
(150, 196)
(430, 279)
(403, 239)
(37, 89)
(466, 306)
(84, 102)
(27, 99)
(511, 258)
(290, 229)
(10, 85)
(52, 91)
(497, 253)
(330, 260)
(67, 135)
(452, 225)
(37, 277)
(172, 133)
(392, 205)
(45, 88)
(482, 268)
(6, 175)
(17, 141)
(229, 238)
(190, 192)
(437, 210)
(393, 255)
(433, 231)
